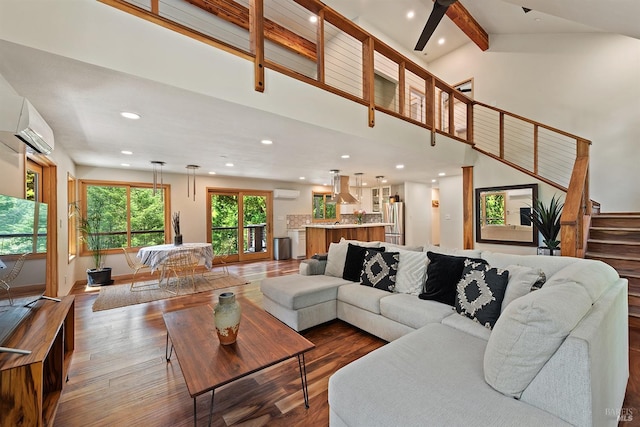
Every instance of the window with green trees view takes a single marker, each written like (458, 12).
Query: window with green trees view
(132, 216)
(23, 226)
(322, 209)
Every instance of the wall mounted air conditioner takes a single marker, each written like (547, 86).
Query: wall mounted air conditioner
(20, 124)
(285, 194)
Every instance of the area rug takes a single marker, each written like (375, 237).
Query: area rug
(115, 296)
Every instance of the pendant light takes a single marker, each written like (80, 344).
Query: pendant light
(158, 165)
(358, 177)
(192, 168)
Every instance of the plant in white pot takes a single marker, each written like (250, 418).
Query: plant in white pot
(546, 218)
(90, 228)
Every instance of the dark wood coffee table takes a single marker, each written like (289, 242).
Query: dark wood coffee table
(262, 341)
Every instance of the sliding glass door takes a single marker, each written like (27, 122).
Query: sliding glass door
(240, 224)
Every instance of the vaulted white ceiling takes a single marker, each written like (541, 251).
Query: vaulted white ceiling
(79, 100)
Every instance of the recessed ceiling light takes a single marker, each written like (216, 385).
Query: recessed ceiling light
(128, 115)
(433, 180)
(399, 166)
(212, 173)
(364, 183)
(229, 165)
(441, 174)
(302, 178)
(384, 181)
(267, 141)
(441, 41)
(128, 153)
(345, 156)
(537, 19)
(411, 14)
(125, 164)
(313, 19)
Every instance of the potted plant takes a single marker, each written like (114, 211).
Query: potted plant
(89, 226)
(547, 221)
(175, 220)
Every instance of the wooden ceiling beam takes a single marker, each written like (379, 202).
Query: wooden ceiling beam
(238, 14)
(467, 23)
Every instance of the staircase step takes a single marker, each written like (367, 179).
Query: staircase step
(619, 262)
(634, 311)
(615, 233)
(634, 280)
(628, 220)
(614, 247)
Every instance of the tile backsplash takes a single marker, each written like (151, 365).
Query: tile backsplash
(299, 221)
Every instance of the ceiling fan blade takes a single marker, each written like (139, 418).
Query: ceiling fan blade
(439, 9)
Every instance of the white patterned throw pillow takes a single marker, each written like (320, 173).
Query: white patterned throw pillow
(412, 272)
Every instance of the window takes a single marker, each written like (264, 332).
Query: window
(130, 214)
(33, 181)
(322, 209)
(72, 226)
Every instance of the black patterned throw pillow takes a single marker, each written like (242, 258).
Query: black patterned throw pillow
(380, 270)
(480, 292)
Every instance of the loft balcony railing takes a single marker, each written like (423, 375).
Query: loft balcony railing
(311, 42)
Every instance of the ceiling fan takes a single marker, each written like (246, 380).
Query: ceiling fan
(439, 9)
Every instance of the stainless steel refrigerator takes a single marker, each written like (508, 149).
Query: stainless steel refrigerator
(394, 213)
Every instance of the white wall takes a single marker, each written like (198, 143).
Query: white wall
(585, 84)
(417, 213)
(451, 212)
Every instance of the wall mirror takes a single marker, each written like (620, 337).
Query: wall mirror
(503, 215)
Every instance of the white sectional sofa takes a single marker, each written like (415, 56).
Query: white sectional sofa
(555, 356)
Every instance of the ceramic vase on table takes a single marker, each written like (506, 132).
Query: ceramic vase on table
(227, 318)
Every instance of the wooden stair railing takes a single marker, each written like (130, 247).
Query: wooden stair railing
(576, 215)
(526, 145)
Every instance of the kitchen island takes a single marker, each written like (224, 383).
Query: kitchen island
(320, 236)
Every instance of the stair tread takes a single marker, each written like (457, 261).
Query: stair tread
(614, 242)
(629, 274)
(611, 256)
(617, 214)
(596, 228)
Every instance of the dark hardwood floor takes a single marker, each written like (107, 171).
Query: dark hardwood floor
(118, 375)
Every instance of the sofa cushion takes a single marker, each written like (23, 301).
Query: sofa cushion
(549, 264)
(412, 311)
(480, 291)
(380, 269)
(338, 253)
(522, 280)
(429, 377)
(467, 253)
(354, 261)
(295, 291)
(594, 276)
(364, 297)
(529, 332)
(464, 324)
(412, 271)
(391, 247)
(443, 274)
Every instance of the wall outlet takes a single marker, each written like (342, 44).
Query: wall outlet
(447, 217)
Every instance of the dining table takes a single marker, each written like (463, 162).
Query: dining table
(155, 256)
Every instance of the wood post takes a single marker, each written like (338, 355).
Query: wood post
(320, 47)
(401, 88)
(467, 207)
(368, 78)
(256, 37)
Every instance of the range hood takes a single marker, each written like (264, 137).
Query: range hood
(21, 124)
(341, 183)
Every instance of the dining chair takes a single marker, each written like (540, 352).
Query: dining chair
(5, 281)
(182, 264)
(136, 265)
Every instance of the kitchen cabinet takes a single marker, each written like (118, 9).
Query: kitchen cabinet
(379, 195)
(319, 237)
(298, 243)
